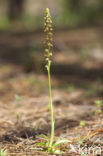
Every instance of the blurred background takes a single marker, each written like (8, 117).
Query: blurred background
(78, 37)
(76, 71)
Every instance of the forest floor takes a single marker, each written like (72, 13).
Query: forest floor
(24, 103)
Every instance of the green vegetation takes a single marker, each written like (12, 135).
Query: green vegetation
(5, 23)
(99, 105)
(81, 141)
(31, 22)
(82, 123)
(3, 152)
(18, 97)
(73, 14)
(76, 13)
(54, 149)
(93, 90)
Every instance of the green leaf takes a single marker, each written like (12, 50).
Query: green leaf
(41, 144)
(44, 136)
(18, 97)
(61, 142)
(3, 152)
(82, 123)
(58, 152)
(82, 141)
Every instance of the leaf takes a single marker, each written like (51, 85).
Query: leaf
(45, 137)
(58, 152)
(41, 144)
(61, 142)
(82, 141)
(3, 152)
(18, 97)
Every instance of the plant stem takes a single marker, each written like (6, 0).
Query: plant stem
(51, 106)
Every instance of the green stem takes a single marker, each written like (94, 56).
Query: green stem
(51, 106)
